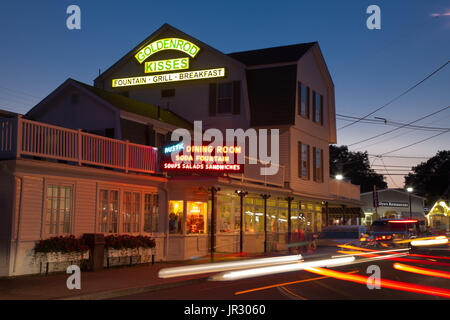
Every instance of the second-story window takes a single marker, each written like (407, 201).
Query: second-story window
(224, 98)
(318, 164)
(317, 108)
(303, 100)
(303, 160)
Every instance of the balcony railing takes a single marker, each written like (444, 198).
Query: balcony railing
(20, 137)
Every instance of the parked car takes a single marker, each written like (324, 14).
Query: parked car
(392, 231)
(342, 234)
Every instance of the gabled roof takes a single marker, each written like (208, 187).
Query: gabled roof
(122, 103)
(139, 107)
(283, 54)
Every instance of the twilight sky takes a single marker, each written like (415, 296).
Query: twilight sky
(369, 67)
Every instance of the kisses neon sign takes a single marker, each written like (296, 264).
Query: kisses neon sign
(157, 66)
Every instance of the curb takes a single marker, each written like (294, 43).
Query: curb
(130, 291)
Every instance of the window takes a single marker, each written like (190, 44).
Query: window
(224, 98)
(108, 211)
(303, 161)
(229, 211)
(318, 164)
(131, 212)
(196, 219)
(167, 93)
(282, 216)
(254, 215)
(303, 100)
(151, 212)
(160, 140)
(317, 108)
(58, 210)
(175, 217)
(272, 214)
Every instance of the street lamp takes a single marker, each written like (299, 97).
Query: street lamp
(410, 190)
(339, 177)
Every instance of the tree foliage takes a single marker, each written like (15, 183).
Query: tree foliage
(355, 167)
(431, 179)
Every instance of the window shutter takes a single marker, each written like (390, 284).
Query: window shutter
(314, 164)
(299, 98)
(300, 162)
(321, 165)
(237, 97)
(307, 163)
(313, 96)
(307, 103)
(321, 110)
(212, 99)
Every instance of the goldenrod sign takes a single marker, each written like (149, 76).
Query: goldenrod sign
(169, 77)
(167, 44)
(166, 65)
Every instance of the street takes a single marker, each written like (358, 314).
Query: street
(305, 285)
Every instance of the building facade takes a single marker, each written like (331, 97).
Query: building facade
(393, 204)
(86, 159)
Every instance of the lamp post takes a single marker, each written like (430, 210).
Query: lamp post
(213, 190)
(241, 194)
(410, 190)
(265, 197)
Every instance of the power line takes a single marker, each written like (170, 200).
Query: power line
(405, 157)
(387, 132)
(395, 184)
(399, 96)
(413, 144)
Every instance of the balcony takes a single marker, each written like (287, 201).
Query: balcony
(22, 138)
(343, 190)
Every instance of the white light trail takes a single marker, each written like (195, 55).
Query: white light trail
(225, 266)
(417, 243)
(257, 272)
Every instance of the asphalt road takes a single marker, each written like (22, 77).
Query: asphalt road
(304, 285)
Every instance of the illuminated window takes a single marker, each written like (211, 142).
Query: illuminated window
(303, 161)
(282, 216)
(58, 210)
(254, 215)
(272, 215)
(303, 100)
(175, 217)
(151, 212)
(229, 213)
(317, 108)
(318, 164)
(108, 211)
(196, 219)
(131, 212)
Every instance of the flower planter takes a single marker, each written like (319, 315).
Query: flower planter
(53, 257)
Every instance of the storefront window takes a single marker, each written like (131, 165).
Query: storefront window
(151, 213)
(282, 216)
(132, 212)
(175, 216)
(108, 211)
(254, 215)
(196, 220)
(272, 214)
(318, 219)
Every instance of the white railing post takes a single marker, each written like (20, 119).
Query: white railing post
(127, 153)
(19, 136)
(80, 147)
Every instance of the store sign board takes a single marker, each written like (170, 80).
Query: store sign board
(392, 204)
(201, 159)
(169, 77)
(167, 44)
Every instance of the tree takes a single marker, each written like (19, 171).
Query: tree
(355, 166)
(431, 179)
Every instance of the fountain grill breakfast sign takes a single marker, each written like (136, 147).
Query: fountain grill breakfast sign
(156, 66)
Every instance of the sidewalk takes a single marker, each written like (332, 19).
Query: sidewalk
(104, 284)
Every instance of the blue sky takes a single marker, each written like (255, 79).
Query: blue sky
(369, 67)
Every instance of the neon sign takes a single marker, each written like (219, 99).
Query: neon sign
(167, 44)
(169, 77)
(166, 65)
(201, 159)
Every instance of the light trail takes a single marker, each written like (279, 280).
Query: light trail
(388, 284)
(225, 266)
(427, 256)
(417, 243)
(423, 271)
(257, 272)
(284, 284)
